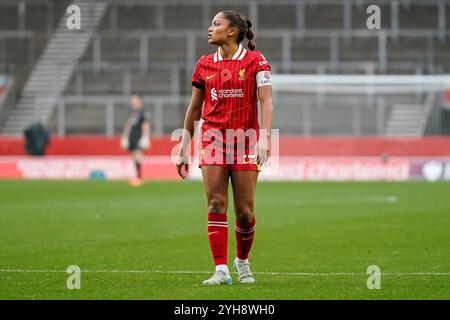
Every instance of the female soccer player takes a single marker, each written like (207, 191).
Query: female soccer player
(136, 135)
(228, 83)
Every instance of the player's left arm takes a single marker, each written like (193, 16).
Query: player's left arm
(265, 98)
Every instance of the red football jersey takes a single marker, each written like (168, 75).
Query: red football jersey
(230, 86)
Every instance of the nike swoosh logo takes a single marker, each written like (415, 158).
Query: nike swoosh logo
(209, 77)
(210, 233)
(243, 238)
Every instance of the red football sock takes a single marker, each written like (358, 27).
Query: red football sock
(244, 238)
(218, 237)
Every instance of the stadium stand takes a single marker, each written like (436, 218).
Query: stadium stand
(150, 48)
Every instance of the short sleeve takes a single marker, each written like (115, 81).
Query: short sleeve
(261, 63)
(143, 116)
(263, 77)
(197, 79)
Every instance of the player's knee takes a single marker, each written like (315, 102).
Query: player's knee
(217, 205)
(244, 214)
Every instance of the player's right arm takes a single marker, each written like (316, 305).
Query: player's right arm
(125, 134)
(193, 114)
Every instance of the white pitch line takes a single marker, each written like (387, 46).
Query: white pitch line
(332, 201)
(207, 272)
(355, 273)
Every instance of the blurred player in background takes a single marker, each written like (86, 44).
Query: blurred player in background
(136, 135)
(228, 83)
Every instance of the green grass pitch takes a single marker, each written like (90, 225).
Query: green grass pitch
(313, 241)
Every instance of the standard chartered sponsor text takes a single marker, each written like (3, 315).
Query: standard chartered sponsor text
(231, 93)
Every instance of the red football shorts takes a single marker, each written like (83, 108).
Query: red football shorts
(235, 156)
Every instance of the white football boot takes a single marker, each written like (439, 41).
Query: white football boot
(219, 277)
(243, 270)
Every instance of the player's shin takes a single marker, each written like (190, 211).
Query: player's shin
(138, 165)
(218, 239)
(244, 238)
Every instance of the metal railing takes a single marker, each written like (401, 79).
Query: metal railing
(335, 39)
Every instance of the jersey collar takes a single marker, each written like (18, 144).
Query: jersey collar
(240, 53)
